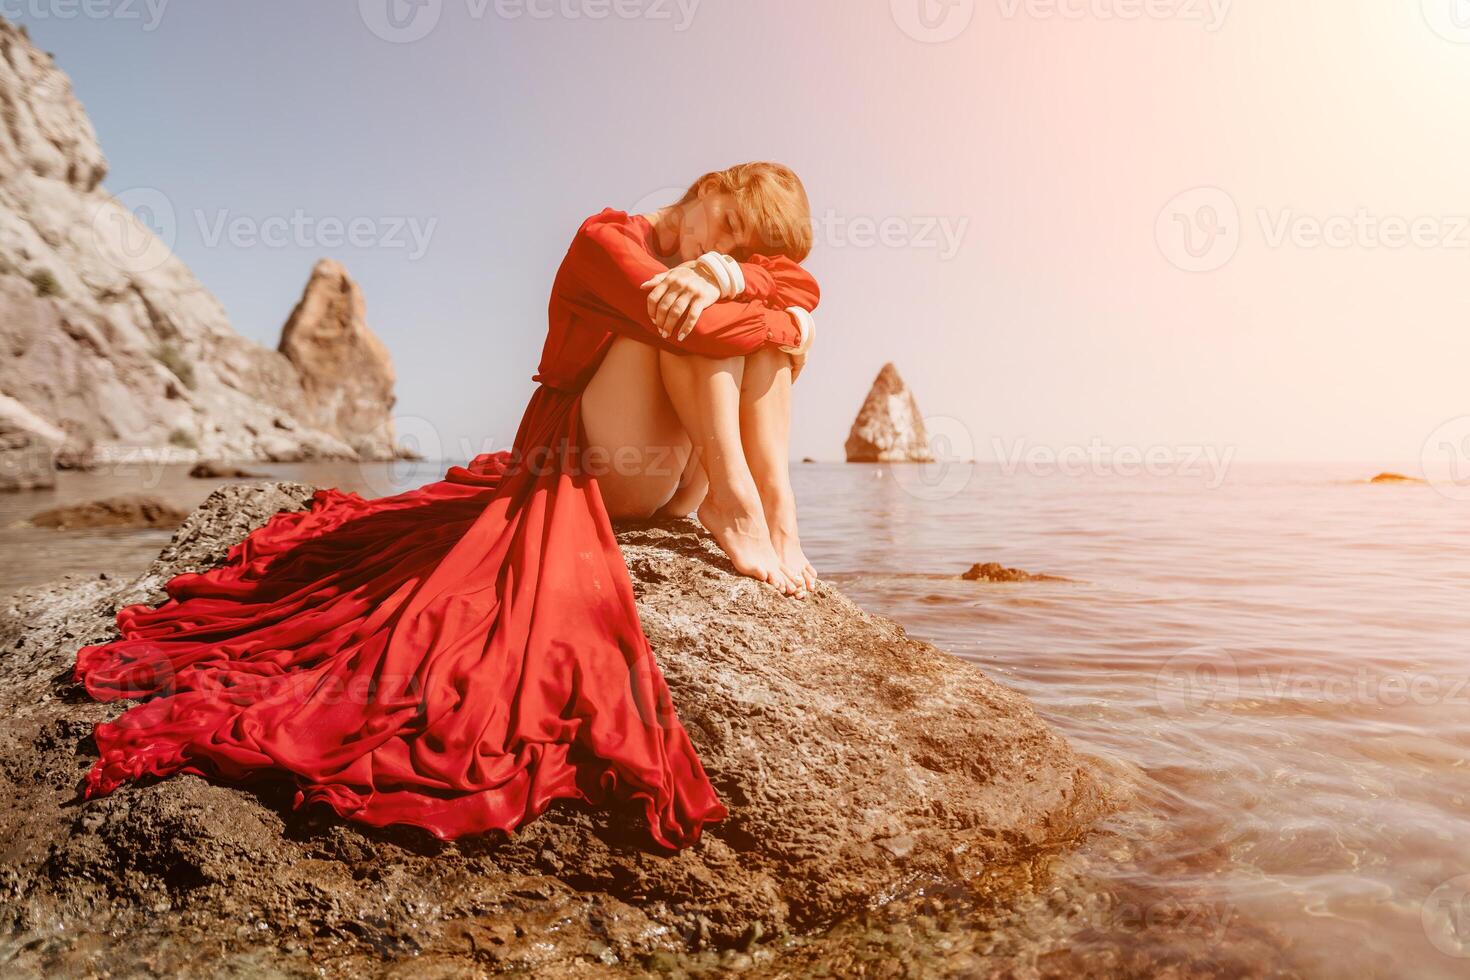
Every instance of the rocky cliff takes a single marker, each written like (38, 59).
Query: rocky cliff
(861, 768)
(111, 343)
(889, 427)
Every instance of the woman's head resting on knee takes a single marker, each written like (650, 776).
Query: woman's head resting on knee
(749, 209)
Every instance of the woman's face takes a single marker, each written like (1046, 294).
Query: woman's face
(712, 222)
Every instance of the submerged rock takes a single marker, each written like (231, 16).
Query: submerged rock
(220, 471)
(889, 427)
(125, 510)
(858, 764)
(996, 572)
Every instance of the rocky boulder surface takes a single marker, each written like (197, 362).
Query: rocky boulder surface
(859, 765)
(889, 427)
(108, 337)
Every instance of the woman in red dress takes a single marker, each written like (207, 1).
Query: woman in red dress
(458, 656)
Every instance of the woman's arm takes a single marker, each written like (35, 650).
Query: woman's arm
(610, 262)
(779, 282)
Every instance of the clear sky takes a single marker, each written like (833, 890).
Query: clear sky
(997, 187)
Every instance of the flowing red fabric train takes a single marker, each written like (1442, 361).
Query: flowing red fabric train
(456, 656)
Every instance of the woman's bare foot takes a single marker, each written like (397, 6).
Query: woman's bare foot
(778, 504)
(787, 544)
(741, 533)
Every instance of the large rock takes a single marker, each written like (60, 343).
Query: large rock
(889, 427)
(859, 766)
(106, 334)
(28, 445)
(344, 367)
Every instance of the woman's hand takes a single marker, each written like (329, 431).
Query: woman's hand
(678, 297)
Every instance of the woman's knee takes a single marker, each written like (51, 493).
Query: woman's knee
(766, 369)
(700, 365)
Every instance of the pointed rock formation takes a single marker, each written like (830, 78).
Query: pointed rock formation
(889, 428)
(345, 369)
(108, 337)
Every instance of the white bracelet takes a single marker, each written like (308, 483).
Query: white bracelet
(807, 325)
(714, 264)
(737, 276)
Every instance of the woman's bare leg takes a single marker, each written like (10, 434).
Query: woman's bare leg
(706, 393)
(693, 486)
(640, 452)
(765, 432)
(636, 446)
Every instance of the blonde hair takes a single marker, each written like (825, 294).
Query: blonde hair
(773, 200)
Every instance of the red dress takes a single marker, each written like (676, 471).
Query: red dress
(456, 656)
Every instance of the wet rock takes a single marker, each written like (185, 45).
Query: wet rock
(220, 471)
(125, 510)
(995, 572)
(28, 446)
(889, 427)
(856, 762)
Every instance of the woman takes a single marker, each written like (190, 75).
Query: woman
(458, 656)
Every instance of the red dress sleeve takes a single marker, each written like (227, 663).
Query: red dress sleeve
(779, 282)
(606, 266)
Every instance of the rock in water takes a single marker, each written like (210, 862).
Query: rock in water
(995, 572)
(125, 510)
(889, 427)
(344, 367)
(210, 470)
(28, 445)
(1394, 478)
(856, 762)
(107, 335)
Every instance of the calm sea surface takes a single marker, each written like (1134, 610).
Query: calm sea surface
(1275, 670)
